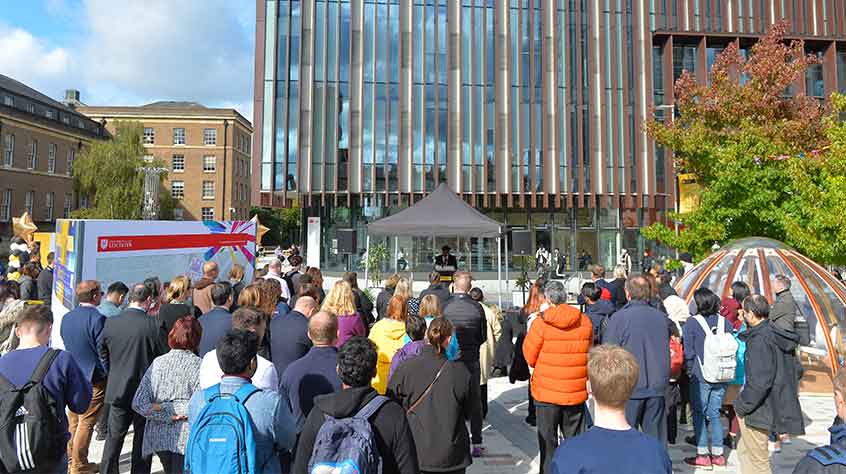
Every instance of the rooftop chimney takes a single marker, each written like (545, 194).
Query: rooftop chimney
(72, 98)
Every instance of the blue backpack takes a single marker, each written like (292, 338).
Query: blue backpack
(348, 445)
(221, 438)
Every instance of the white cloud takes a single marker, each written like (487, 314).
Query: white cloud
(31, 60)
(138, 51)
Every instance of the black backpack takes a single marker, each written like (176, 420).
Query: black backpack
(31, 436)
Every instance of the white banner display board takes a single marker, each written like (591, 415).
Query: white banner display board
(313, 242)
(131, 251)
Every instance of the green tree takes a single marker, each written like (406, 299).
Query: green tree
(107, 172)
(762, 154)
(284, 225)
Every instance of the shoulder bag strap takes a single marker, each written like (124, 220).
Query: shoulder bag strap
(44, 365)
(428, 389)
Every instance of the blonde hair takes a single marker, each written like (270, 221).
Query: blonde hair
(403, 288)
(620, 272)
(430, 306)
(250, 296)
(340, 299)
(612, 372)
(236, 272)
(392, 281)
(178, 288)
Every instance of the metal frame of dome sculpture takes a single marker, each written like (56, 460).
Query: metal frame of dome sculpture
(755, 261)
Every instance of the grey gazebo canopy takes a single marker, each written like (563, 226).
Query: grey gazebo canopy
(441, 213)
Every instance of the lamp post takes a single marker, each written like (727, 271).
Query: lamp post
(152, 183)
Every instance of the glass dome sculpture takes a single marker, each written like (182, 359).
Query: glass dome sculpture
(756, 261)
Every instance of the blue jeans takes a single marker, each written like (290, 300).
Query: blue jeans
(706, 400)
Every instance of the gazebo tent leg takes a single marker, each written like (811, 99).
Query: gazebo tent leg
(367, 253)
(499, 267)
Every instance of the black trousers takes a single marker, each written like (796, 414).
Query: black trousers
(483, 399)
(531, 409)
(103, 419)
(119, 420)
(649, 416)
(172, 463)
(476, 399)
(555, 421)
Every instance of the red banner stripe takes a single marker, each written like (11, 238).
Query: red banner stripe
(128, 243)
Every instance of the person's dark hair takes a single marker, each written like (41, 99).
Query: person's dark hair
(357, 362)
(638, 288)
(707, 303)
(51, 257)
(11, 289)
(477, 295)
(38, 315)
(236, 350)
(665, 291)
(118, 287)
(438, 332)
(220, 293)
(415, 327)
(87, 291)
(349, 277)
(308, 289)
(154, 285)
(591, 292)
(434, 277)
(247, 318)
(757, 305)
(664, 278)
(185, 334)
(740, 291)
(29, 269)
(295, 260)
(306, 279)
(139, 293)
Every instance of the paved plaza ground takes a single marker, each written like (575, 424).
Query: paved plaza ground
(512, 445)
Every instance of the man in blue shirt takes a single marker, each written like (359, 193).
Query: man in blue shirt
(217, 321)
(644, 331)
(65, 381)
(110, 305)
(82, 334)
(316, 373)
(274, 427)
(612, 446)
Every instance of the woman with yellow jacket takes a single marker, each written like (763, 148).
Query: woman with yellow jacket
(389, 336)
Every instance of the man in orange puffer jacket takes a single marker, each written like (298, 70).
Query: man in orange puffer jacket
(557, 347)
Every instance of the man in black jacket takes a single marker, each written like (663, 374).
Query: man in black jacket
(45, 281)
(830, 459)
(768, 402)
(130, 343)
(356, 368)
(471, 329)
(436, 288)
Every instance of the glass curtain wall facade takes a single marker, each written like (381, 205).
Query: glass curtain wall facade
(532, 110)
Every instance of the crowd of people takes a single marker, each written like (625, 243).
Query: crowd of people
(306, 380)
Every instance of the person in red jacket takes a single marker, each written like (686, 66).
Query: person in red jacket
(557, 347)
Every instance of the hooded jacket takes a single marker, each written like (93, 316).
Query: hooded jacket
(201, 295)
(813, 462)
(768, 400)
(388, 336)
(557, 347)
(390, 428)
(471, 326)
(438, 422)
(409, 351)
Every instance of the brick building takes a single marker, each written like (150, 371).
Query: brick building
(40, 138)
(206, 150)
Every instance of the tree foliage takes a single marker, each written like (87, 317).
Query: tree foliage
(770, 161)
(107, 172)
(284, 225)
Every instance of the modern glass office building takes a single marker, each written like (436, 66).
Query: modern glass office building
(533, 110)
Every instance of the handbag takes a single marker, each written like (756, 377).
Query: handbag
(428, 389)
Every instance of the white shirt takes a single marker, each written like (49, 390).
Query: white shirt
(265, 377)
(286, 293)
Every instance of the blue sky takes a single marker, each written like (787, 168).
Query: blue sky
(132, 52)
